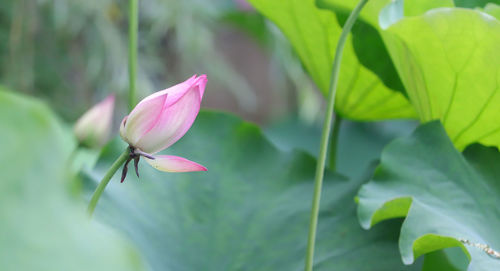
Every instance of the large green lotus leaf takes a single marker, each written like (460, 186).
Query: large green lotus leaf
(249, 211)
(449, 62)
(41, 227)
(359, 143)
(446, 196)
(313, 33)
(367, 41)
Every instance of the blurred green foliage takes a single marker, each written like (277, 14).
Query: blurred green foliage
(42, 226)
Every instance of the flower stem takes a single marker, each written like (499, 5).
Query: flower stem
(132, 51)
(332, 150)
(327, 124)
(105, 180)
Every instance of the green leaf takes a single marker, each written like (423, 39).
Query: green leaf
(449, 259)
(249, 211)
(313, 33)
(493, 10)
(473, 3)
(391, 13)
(41, 227)
(445, 196)
(449, 62)
(359, 143)
(398, 9)
(419, 7)
(367, 41)
(369, 14)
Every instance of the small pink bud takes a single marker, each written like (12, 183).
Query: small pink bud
(161, 119)
(92, 129)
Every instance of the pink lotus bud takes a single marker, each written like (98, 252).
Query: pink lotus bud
(160, 120)
(93, 128)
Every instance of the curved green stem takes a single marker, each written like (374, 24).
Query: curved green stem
(105, 180)
(327, 124)
(132, 51)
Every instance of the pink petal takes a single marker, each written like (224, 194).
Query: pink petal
(94, 126)
(142, 119)
(172, 123)
(122, 127)
(170, 163)
(161, 118)
(176, 92)
(201, 82)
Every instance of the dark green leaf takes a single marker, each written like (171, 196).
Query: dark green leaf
(249, 211)
(360, 144)
(448, 259)
(474, 3)
(445, 196)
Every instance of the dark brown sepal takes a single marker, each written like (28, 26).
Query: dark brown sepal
(125, 170)
(136, 165)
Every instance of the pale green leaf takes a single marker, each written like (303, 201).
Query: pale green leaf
(449, 62)
(313, 33)
(419, 7)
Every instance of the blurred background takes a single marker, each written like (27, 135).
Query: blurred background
(74, 53)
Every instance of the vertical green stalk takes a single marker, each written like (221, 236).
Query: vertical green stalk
(105, 180)
(332, 150)
(132, 98)
(318, 181)
(132, 51)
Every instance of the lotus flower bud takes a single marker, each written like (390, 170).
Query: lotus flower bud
(92, 129)
(161, 119)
